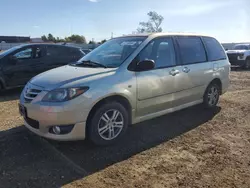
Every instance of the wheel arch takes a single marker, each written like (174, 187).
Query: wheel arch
(116, 97)
(218, 82)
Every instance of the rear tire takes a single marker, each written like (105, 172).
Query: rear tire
(211, 96)
(108, 124)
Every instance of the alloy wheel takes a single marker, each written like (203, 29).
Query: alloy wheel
(110, 124)
(213, 95)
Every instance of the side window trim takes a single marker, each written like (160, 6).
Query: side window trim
(179, 50)
(131, 66)
(205, 48)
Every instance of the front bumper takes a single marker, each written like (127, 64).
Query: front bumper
(77, 133)
(40, 117)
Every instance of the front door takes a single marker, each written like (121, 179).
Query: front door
(155, 88)
(22, 65)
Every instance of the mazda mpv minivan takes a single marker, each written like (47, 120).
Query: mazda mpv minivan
(126, 80)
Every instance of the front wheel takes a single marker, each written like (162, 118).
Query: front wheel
(108, 124)
(211, 96)
(247, 65)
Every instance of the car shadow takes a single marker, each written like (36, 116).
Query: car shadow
(10, 95)
(238, 69)
(27, 160)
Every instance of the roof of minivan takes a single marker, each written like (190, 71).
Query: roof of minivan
(164, 34)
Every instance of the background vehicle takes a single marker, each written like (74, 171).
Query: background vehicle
(240, 55)
(125, 81)
(19, 64)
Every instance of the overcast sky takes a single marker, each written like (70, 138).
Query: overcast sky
(227, 20)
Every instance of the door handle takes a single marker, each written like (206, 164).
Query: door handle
(186, 69)
(174, 72)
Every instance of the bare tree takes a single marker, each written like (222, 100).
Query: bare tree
(153, 25)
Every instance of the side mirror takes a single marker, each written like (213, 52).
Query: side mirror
(145, 65)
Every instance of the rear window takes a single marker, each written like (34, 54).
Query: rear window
(191, 50)
(53, 51)
(214, 50)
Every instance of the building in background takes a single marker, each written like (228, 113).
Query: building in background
(36, 40)
(14, 39)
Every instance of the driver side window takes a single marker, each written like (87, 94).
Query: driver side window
(161, 51)
(24, 54)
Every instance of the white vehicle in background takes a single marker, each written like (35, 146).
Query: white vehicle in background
(240, 55)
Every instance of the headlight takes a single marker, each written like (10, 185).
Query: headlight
(64, 94)
(241, 56)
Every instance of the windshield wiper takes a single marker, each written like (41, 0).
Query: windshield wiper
(90, 63)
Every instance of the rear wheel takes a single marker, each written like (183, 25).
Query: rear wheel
(211, 96)
(108, 124)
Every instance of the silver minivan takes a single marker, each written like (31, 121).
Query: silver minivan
(126, 80)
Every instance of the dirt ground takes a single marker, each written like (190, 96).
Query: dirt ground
(190, 148)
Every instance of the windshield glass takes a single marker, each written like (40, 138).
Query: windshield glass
(9, 51)
(114, 52)
(241, 47)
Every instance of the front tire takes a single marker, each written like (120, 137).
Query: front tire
(211, 96)
(108, 124)
(247, 65)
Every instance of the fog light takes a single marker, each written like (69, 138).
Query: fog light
(56, 129)
(61, 129)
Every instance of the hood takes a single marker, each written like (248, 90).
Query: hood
(235, 51)
(63, 75)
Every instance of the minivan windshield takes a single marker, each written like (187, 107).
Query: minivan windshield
(112, 53)
(241, 47)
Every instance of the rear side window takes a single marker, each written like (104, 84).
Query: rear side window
(214, 50)
(53, 51)
(76, 52)
(191, 50)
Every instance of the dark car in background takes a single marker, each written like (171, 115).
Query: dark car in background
(19, 64)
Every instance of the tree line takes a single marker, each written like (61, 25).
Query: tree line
(151, 26)
(79, 39)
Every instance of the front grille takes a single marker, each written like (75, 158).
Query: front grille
(31, 93)
(33, 123)
(233, 57)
